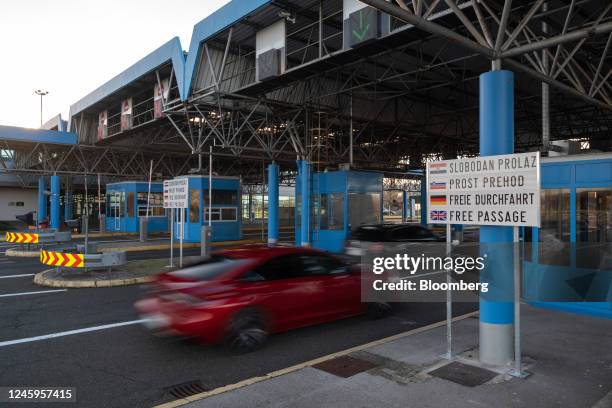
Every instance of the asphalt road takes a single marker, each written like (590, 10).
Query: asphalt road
(124, 366)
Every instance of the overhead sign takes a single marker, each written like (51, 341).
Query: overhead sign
(494, 190)
(176, 193)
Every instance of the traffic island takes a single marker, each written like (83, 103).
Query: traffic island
(132, 273)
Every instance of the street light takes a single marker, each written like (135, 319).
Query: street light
(41, 93)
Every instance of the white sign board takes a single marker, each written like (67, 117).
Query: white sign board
(494, 190)
(176, 193)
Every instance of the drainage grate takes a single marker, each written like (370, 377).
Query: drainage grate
(464, 374)
(185, 389)
(345, 366)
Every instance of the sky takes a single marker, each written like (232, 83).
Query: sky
(70, 47)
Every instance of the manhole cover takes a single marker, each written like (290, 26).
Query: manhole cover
(185, 389)
(345, 366)
(464, 374)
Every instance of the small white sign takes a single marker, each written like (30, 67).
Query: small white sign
(493, 190)
(176, 193)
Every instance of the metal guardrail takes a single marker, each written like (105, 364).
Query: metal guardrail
(46, 236)
(73, 259)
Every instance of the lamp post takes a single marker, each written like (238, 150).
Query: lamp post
(41, 93)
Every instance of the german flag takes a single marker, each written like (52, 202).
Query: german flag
(438, 200)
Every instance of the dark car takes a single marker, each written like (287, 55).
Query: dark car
(372, 236)
(242, 295)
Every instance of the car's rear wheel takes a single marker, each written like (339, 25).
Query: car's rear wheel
(378, 310)
(247, 332)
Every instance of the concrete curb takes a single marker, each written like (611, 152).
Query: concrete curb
(22, 254)
(42, 280)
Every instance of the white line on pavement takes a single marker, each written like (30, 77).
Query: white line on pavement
(33, 293)
(17, 276)
(69, 333)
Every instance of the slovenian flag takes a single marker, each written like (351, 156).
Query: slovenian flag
(437, 185)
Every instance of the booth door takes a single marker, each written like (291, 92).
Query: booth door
(115, 210)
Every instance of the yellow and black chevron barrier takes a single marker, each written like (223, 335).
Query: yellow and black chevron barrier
(62, 259)
(21, 238)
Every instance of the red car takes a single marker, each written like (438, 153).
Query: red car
(242, 295)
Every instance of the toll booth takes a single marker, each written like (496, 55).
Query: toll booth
(225, 213)
(570, 255)
(340, 200)
(127, 201)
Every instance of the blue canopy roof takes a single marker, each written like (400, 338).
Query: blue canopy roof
(19, 134)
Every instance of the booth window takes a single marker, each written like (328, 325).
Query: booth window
(364, 208)
(593, 215)
(222, 214)
(156, 204)
(130, 204)
(332, 211)
(194, 206)
(222, 197)
(554, 235)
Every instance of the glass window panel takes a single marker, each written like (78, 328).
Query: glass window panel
(130, 204)
(222, 197)
(228, 214)
(593, 215)
(364, 208)
(332, 211)
(194, 206)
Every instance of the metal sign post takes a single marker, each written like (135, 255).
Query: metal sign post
(518, 369)
(171, 238)
(449, 300)
(181, 237)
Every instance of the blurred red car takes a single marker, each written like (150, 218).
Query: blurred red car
(242, 295)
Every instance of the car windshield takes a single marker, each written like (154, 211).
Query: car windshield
(209, 269)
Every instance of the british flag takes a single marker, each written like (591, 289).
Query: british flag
(438, 215)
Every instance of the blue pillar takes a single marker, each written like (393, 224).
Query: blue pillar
(42, 199)
(497, 308)
(424, 201)
(305, 210)
(272, 203)
(55, 202)
(404, 206)
(68, 213)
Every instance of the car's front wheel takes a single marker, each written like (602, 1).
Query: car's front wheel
(247, 332)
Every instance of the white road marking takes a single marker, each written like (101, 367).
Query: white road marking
(17, 276)
(33, 293)
(69, 333)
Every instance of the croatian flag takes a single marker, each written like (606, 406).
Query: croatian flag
(438, 215)
(437, 168)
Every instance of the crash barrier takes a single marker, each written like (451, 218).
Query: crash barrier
(21, 238)
(47, 236)
(73, 259)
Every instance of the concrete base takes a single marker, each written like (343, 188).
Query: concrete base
(496, 343)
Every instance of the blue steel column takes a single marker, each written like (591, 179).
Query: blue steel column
(305, 210)
(497, 309)
(42, 199)
(272, 204)
(55, 202)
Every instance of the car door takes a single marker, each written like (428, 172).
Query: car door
(340, 290)
(291, 296)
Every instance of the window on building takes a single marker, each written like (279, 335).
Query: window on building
(364, 208)
(155, 204)
(222, 214)
(332, 211)
(194, 206)
(222, 197)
